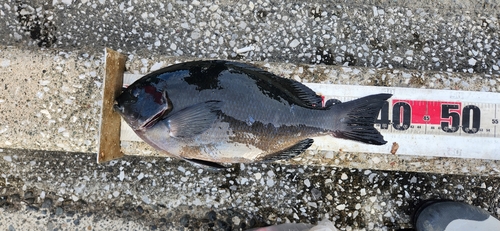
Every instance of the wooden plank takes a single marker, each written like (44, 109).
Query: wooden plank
(109, 127)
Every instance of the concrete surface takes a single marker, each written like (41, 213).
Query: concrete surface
(51, 70)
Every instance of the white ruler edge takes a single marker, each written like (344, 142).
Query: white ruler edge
(409, 144)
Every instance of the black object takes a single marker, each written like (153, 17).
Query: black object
(446, 215)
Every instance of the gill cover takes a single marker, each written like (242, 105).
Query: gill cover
(143, 103)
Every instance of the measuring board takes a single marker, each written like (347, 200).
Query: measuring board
(416, 122)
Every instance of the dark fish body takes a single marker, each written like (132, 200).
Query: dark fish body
(228, 112)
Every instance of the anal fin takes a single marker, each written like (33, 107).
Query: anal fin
(290, 152)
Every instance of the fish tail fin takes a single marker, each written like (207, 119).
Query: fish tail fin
(357, 117)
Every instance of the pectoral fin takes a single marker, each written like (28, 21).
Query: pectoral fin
(193, 120)
(290, 152)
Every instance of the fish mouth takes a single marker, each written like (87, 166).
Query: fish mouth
(117, 108)
(151, 121)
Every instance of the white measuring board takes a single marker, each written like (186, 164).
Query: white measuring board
(422, 122)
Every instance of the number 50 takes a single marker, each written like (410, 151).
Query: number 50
(469, 113)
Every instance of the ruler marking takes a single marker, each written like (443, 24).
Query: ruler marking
(427, 113)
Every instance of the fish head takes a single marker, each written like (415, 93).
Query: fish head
(142, 104)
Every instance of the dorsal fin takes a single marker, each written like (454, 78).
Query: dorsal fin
(275, 86)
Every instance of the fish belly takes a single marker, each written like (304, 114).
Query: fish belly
(229, 141)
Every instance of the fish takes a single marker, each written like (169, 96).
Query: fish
(216, 112)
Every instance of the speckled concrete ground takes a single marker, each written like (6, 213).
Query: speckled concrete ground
(51, 70)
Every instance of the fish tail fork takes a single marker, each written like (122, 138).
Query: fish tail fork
(355, 119)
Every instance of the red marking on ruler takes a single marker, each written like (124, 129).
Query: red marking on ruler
(428, 112)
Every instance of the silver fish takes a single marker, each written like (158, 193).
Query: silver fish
(215, 112)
